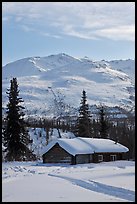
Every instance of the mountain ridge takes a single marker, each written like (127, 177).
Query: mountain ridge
(107, 82)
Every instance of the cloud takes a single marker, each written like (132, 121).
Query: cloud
(123, 32)
(46, 34)
(27, 28)
(49, 35)
(87, 20)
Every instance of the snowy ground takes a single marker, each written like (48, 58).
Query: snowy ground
(38, 182)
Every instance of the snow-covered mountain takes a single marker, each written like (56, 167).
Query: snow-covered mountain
(46, 80)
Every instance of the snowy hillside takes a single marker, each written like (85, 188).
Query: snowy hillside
(127, 66)
(63, 77)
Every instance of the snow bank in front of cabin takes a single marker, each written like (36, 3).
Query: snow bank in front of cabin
(38, 182)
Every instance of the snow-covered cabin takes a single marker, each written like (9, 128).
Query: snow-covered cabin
(83, 150)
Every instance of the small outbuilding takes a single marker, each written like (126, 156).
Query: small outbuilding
(81, 150)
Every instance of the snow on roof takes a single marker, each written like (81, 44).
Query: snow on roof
(105, 145)
(73, 146)
(80, 145)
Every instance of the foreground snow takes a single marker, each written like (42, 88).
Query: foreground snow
(38, 182)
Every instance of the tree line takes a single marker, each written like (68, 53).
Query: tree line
(16, 140)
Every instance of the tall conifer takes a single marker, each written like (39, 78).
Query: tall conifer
(103, 123)
(16, 138)
(84, 119)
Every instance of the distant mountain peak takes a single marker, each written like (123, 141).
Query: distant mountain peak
(107, 82)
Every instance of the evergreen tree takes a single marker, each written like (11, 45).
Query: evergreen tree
(16, 138)
(103, 123)
(84, 119)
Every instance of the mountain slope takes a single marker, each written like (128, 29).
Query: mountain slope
(63, 77)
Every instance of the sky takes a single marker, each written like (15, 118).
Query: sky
(98, 30)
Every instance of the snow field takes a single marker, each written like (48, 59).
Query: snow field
(38, 182)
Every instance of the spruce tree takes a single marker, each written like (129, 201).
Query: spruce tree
(16, 138)
(103, 123)
(84, 119)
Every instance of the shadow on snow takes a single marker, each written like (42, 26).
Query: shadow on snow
(101, 188)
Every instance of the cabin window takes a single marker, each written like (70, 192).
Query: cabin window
(100, 157)
(113, 157)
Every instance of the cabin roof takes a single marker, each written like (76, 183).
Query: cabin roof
(81, 145)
